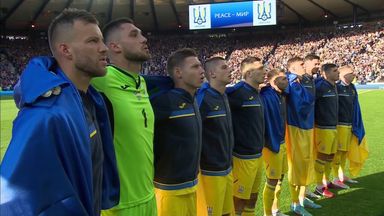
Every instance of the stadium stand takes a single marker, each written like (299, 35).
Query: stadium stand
(363, 47)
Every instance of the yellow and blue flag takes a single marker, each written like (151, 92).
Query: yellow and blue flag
(299, 135)
(358, 151)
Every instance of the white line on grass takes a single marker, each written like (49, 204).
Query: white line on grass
(365, 92)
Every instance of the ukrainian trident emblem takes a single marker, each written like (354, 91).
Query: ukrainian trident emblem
(264, 12)
(200, 15)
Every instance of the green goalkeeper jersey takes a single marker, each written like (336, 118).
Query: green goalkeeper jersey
(132, 122)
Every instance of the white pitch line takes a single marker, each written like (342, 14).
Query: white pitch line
(365, 92)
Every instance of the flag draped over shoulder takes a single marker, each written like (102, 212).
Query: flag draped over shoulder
(358, 151)
(274, 123)
(299, 132)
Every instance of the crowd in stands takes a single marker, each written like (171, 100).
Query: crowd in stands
(360, 46)
(7, 73)
(15, 54)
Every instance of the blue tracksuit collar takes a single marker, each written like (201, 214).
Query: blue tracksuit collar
(268, 88)
(182, 92)
(207, 86)
(291, 76)
(324, 81)
(249, 87)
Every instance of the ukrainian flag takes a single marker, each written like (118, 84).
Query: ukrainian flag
(299, 135)
(274, 123)
(358, 151)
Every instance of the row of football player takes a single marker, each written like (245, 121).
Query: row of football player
(61, 158)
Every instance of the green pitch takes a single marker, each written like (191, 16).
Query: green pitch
(364, 198)
(7, 115)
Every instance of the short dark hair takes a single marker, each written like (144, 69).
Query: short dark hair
(177, 58)
(293, 60)
(212, 60)
(209, 62)
(311, 57)
(327, 67)
(112, 26)
(247, 61)
(68, 17)
(274, 72)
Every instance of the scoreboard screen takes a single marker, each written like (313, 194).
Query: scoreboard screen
(232, 14)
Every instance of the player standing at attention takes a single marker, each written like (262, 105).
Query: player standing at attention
(177, 140)
(349, 112)
(312, 72)
(311, 67)
(326, 119)
(299, 137)
(131, 115)
(248, 123)
(274, 152)
(216, 155)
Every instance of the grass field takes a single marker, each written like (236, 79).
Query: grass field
(363, 199)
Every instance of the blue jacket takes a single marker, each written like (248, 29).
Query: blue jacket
(177, 140)
(47, 169)
(248, 122)
(218, 139)
(178, 130)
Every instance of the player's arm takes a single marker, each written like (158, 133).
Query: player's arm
(200, 96)
(233, 99)
(160, 105)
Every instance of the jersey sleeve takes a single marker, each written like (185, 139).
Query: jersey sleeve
(201, 103)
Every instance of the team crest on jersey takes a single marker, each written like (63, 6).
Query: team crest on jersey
(124, 87)
(241, 189)
(273, 172)
(210, 210)
(138, 95)
(216, 108)
(322, 147)
(182, 105)
(250, 98)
